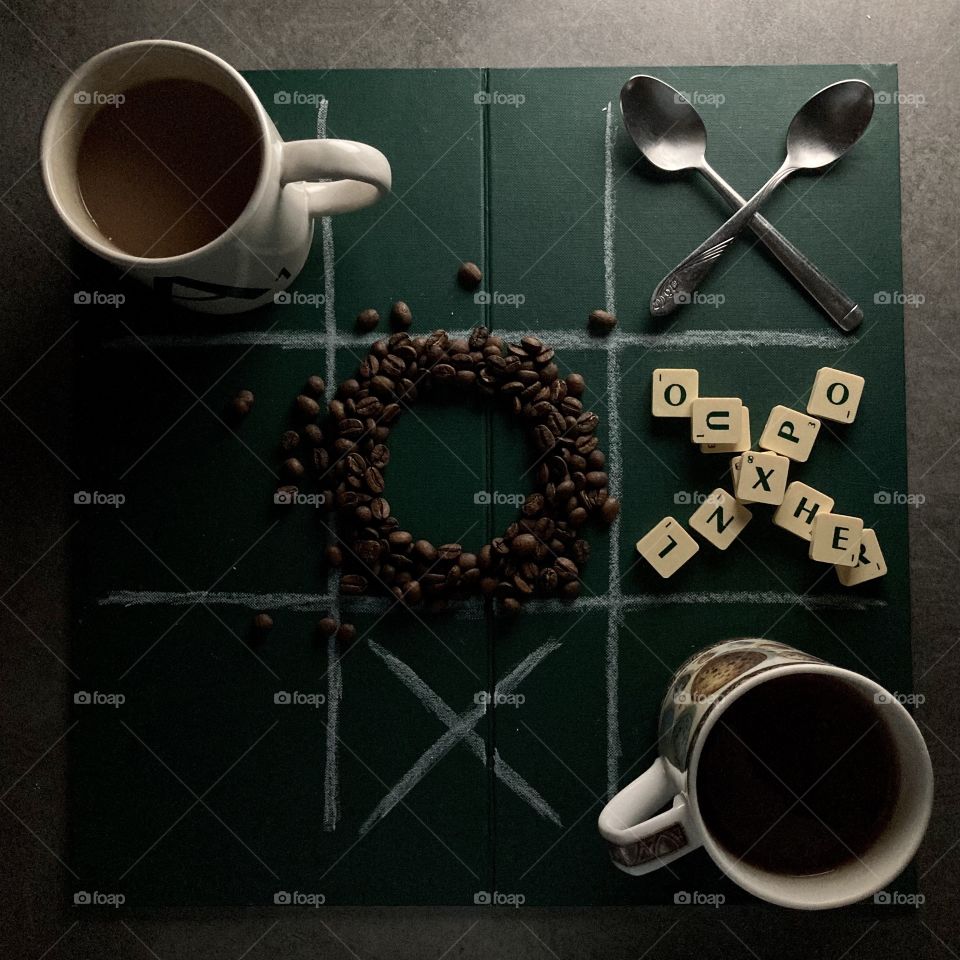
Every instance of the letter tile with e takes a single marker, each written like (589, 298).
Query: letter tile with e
(720, 519)
(667, 547)
(790, 433)
(870, 563)
(741, 446)
(674, 390)
(716, 420)
(836, 539)
(800, 506)
(835, 395)
(763, 478)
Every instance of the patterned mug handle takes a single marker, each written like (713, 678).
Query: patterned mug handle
(639, 842)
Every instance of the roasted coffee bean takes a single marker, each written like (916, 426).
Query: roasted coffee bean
(578, 516)
(400, 540)
(478, 338)
(555, 423)
(316, 386)
(293, 468)
(350, 427)
(313, 434)
(548, 581)
(587, 423)
(367, 320)
(289, 441)
(601, 322)
(543, 437)
(585, 445)
(467, 561)
(379, 508)
(580, 551)
(353, 584)
(596, 460)
(433, 581)
(500, 546)
(347, 499)
(401, 316)
(544, 357)
(596, 479)
(307, 406)
(286, 495)
(571, 590)
(549, 373)
(534, 504)
(571, 407)
(449, 552)
(543, 408)
(522, 586)
(393, 366)
(488, 586)
(524, 545)
(411, 592)
(382, 386)
(469, 275)
(379, 456)
(326, 626)
(346, 633)
(575, 384)
(390, 413)
(347, 389)
(444, 371)
(426, 552)
(337, 409)
(510, 606)
(610, 509)
(368, 551)
(374, 481)
(531, 345)
(566, 569)
(363, 514)
(369, 407)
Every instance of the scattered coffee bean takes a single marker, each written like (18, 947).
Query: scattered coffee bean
(242, 403)
(610, 509)
(367, 320)
(469, 276)
(307, 406)
(289, 441)
(346, 633)
(602, 322)
(400, 316)
(293, 468)
(316, 386)
(262, 623)
(334, 555)
(326, 626)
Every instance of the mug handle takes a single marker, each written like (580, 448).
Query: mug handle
(639, 842)
(357, 174)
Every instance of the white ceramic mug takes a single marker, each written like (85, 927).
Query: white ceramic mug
(267, 245)
(642, 840)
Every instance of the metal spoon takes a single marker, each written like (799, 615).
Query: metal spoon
(669, 132)
(822, 131)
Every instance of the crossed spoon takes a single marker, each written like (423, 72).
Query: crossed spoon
(671, 134)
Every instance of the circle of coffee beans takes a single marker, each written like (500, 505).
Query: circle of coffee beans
(541, 553)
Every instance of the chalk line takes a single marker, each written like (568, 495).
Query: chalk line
(331, 764)
(466, 721)
(473, 740)
(614, 472)
(316, 602)
(563, 339)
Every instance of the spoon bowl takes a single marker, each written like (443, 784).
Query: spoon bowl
(829, 124)
(666, 128)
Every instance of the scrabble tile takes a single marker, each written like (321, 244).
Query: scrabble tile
(674, 390)
(763, 478)
(716, 420)
(735, 465)
(835, 395)
(800, 506)
(870, 563)
(667, 547)
(741, 446)
(720, 519)
(836, 539)
(790, 433)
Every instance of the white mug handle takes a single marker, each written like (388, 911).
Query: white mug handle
(357, 174)
(640, 842)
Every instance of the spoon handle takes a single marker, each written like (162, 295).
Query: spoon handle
(678, 286)
(840, 308)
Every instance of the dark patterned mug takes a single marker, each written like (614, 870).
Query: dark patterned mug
(701, 691)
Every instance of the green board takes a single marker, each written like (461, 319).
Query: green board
(385, 779)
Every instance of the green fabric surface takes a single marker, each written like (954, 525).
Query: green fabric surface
(201, 790)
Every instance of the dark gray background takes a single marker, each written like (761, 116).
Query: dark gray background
(39, 45)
